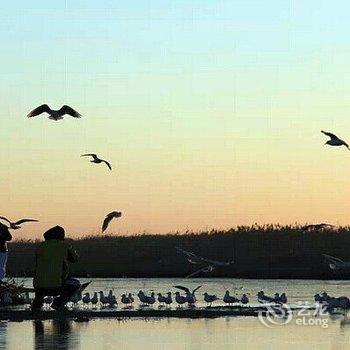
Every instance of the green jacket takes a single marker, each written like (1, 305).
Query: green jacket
(51, 265)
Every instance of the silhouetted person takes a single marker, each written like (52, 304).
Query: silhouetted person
(5, 236)
(51, 270)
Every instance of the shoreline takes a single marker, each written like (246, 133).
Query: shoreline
(85, 315)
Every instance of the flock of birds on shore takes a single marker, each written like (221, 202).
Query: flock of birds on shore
(109, 300)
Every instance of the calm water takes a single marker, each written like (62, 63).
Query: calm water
(221, 333)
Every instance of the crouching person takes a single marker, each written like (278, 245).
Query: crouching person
(51, 270)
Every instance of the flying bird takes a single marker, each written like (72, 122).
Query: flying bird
(16, 225)
(54, 114)
(335, 141)
(197, 259)
(96, 159)
(209, 264)
(336, 263)
(112, 215)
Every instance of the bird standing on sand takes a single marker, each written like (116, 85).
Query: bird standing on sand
(112, 300)
(160, 298)
(103, 299)
(262, 298)
(208, 298)
(283, 298)
(244, 299)
(126, 299)
(180, 299)
(86, 299)
(54, 114)
(96, 159)
(108, 219)
(16, 225)
(228, 299)
(335, 141)
(94, 299)
(144, 299)
(168, 299)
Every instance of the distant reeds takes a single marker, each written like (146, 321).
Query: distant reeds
(259, 251)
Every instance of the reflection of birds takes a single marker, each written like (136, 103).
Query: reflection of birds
(190, 295)
(209, 265)
(316, 227)
(16, 225)
(54, 114)
(109, 217)
(335, 141)
(336, 263)
(97, 160)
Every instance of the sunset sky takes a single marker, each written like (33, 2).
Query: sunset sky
(209, 111)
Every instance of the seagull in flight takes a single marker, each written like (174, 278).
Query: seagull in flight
(96, 159)
(108, 219)
(209, 265)
(336, 263)
(335, 141)
(16, 225)
(54, 114)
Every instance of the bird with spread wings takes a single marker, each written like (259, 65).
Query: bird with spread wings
(336, 263)
(54, 114)
(97, 160)
(335, 140)
(210, 264)
(109, 218)
(190, 295)
(17, 225)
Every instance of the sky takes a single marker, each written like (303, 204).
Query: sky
(209, 111)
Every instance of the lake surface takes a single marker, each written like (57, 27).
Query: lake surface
(170, 333)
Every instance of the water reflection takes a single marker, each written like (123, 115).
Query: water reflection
(3, 331)
(55, 334)
(173, 334)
